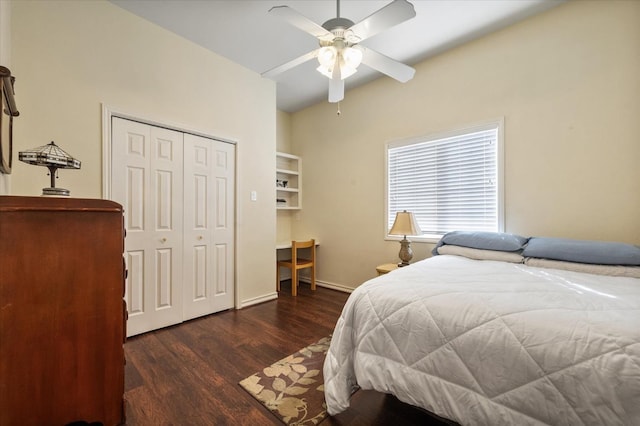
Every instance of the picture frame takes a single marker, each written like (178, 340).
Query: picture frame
(8, 110)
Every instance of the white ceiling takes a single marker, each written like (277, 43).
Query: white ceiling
(244, 32)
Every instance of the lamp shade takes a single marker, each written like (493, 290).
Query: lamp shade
(405, 224)
(52, 157)
(352, 57)
(49, 155)
(327, 56)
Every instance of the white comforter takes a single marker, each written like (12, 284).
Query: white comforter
(493, 343)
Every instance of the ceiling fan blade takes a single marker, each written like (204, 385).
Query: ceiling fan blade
(386, 65)
(336, 85)
(392, 14)
(301, 22)
(273, 72)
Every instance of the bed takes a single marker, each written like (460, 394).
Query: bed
(544, 332)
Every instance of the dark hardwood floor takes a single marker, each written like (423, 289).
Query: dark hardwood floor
(188, 374)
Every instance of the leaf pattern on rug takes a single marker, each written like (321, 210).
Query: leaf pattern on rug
(284, 387)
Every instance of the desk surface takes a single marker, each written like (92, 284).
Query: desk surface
(287, 245)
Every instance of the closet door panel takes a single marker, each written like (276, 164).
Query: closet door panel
(135, 282)
(147, 181)
(130, 182)
(199, 206)
(224, 229)
(166, 187)
(205, 214)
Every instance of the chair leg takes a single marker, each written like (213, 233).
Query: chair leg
(277, 278)
(313, 278)
(294, 282)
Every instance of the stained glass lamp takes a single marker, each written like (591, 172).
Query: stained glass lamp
(53, 158)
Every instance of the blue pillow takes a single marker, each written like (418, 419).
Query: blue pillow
(594, 252)
(498, 241)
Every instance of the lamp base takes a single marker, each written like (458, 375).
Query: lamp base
(58, 192)
(405, 254)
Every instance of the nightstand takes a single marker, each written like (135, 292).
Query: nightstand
(386, 268)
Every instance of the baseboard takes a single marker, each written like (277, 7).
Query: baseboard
(332, 286)
(260, 299)
(272, 296)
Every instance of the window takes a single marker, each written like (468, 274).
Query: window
(451, 182)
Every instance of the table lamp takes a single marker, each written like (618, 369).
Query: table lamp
(405, 224)
(53, 158)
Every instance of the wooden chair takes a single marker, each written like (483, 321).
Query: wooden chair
(296, 263)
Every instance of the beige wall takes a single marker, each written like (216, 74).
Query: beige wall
(284, 218)
(566, 83)
(70, 57)
(283, 132)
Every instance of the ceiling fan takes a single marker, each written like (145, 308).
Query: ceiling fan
(340, 53)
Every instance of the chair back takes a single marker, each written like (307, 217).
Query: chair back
(296, 245)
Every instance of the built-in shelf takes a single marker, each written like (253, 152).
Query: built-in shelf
(288, 181)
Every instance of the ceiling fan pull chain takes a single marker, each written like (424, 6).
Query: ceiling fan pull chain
(338, 112)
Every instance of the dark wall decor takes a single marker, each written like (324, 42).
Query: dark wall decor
(8, 111)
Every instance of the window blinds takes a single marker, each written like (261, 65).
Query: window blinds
(449, 184)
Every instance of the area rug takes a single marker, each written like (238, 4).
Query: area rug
(293, 388)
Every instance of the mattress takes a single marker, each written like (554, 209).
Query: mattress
(490, 343)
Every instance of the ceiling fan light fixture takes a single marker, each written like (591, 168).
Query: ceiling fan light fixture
(327, 72)
(352, 57)
(348, 59)
(346, 71)
(327, 56)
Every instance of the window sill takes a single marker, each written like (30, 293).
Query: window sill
(428, 239)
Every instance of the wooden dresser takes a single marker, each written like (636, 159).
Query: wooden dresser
(62, 316)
